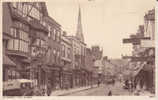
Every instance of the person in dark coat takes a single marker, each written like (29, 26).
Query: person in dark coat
(110, 93)
(49, 89)
(98, 83)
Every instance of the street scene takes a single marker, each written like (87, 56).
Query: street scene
(79, 48)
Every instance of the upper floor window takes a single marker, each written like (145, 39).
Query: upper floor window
(68, 53)
(50, 31)
(5, 43)
(21, 26)
(63, 50)
(54, 34)
(20, 40)
(57, 36)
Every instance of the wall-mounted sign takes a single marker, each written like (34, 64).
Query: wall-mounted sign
(147, 43)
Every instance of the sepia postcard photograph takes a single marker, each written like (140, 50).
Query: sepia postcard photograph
(78, 48)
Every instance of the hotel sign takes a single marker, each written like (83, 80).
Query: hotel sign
(135, 41)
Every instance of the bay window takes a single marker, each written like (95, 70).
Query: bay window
(20, 40)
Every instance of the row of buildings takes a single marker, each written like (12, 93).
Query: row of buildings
(142, 61)
(36, 47)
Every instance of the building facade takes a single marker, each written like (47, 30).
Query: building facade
(66, 60)
(54, 73)
(97, 52)
(89, 62)
(24, 38)
(78, 57)
(143, 58)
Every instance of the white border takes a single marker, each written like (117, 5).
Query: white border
(82, 97)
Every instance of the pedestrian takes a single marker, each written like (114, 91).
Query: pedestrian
(130, 86)
(126, 84)
(98, 83)
(49, 89)
(110, 93)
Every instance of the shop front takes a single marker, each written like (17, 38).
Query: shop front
(67, 80)
(53, 77)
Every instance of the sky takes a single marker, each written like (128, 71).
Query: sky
(104, 22)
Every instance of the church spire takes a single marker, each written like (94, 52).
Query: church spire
(79, 33)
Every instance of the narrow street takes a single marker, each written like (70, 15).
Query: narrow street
(103, 91)
(68, 48)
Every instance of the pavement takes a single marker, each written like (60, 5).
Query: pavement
(71, 91)
(102, 90)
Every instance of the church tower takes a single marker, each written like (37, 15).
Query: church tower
(79, 33)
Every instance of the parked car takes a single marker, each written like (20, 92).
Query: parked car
(17, 87)
(110, 81)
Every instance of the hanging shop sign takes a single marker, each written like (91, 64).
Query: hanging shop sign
(147, 43)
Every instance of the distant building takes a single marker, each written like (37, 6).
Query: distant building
(78, 51)
(89, 65)
(97, 52)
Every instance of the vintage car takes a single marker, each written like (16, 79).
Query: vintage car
(17, 87)
(110, 81)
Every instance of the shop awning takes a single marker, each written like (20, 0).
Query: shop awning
(7, 61)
